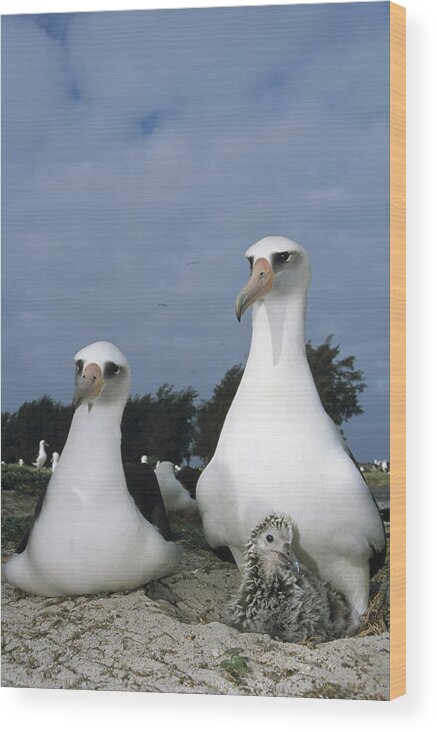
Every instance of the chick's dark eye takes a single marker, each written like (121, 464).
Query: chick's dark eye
(269, 538)
(284, 256)
(111, 369)
(79, 366)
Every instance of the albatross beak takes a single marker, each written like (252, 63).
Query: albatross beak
(90, 384)
(260, 283)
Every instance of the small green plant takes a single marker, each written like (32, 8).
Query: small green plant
(234, 663)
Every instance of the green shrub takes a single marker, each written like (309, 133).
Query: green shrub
(24, 478)
(14, 528)
(377, 479)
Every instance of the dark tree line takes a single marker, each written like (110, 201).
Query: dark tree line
(161, 425)
(169, 425)
(41, 419)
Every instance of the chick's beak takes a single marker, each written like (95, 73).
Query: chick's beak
(290, 557)
(260, 283)
(293, 558)
(89, 385)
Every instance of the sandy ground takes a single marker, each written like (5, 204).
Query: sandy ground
(169, 636)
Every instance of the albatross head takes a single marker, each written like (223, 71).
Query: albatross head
(101, 373)
(278, 266)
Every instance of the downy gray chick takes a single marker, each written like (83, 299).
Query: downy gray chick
(278, 596)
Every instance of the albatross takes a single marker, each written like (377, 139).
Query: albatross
(42, 455)
(279, 451)
(175, 496)
(88, 534)
(54, 461)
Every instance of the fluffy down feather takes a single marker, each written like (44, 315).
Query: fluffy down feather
(278, 596)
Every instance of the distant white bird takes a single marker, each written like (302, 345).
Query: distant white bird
(89, 534)
(21, 462)
(42, 455)
(384, 466)
(279, 451)
(175, 496)
(144, 458)
(54, 461)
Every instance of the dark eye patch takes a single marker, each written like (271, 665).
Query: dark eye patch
(111, 369)
(79, 366)
(250, 260)
(281, 258)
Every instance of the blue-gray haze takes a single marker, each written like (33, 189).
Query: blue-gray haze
(143, 152)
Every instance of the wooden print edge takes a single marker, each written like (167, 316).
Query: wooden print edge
(397, 353)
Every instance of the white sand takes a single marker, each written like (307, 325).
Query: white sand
(175, 642)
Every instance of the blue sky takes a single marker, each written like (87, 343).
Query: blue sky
(144, 151)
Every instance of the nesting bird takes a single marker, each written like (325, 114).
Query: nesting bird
(278, 596)
(175, 496)
(42, 455)
(54, 461)
(89, 534)
(280, 451)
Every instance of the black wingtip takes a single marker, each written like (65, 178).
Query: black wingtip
(224, 553)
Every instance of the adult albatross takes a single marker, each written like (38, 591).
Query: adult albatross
(42, 455)
(88, 533)
(174, 494)
(280, 451)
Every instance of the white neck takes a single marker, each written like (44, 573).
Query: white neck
(278, 331)
(277, 368)
(94, 440)
(277, 352)
(277, 387)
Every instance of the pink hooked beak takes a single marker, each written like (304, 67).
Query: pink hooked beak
(90, 385)
(260, 283)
